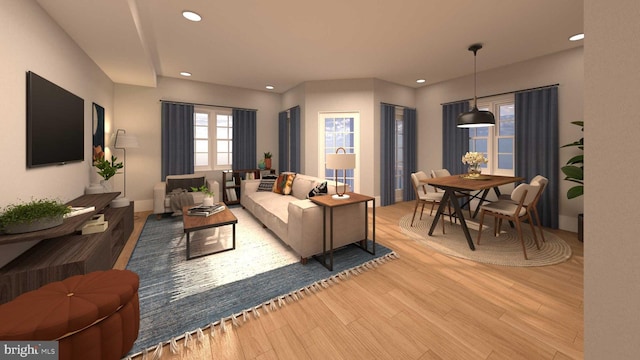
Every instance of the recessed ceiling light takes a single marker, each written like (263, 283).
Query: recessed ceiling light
(270, 87)
(420, 81)
(577, 37)
(184, 73)
(190, 15)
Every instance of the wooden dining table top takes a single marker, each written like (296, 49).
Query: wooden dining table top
(462, 182)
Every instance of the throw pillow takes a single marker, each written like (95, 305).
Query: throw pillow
(317, 190)
(279, 183)
(286, 190)
(266, 184)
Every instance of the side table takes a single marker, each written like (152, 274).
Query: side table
(329, 203)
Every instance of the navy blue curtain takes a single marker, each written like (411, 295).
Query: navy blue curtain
(177, 139)
(289, 140)
(387, 154)
(294, 139)
(409, 155)
(537, 147)
(455, 140)
(283, 141)
(244, 139)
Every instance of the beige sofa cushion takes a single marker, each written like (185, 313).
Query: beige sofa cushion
(302, 184)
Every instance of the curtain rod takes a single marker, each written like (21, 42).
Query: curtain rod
(503, 93)
(400, 106)
(212, 105)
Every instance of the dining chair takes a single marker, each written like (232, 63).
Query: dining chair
(517, 209)
(542, 182)
(460, 195)
(423, 197)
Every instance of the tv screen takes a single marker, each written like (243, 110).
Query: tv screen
(55, 124)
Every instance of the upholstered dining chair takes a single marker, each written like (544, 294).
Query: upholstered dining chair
(542, 182)
(444, 172)
(424, 197)
(517, 209)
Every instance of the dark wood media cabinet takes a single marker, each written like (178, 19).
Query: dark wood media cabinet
(63, 251)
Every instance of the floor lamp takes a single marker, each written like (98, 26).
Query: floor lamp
(123, 142)
(344, 161)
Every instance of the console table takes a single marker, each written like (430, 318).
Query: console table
(63, 251)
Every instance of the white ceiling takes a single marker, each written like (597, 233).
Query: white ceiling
(252, 43)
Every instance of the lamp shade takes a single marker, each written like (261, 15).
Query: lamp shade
(476, 118)
(341, 161)
(124, 141)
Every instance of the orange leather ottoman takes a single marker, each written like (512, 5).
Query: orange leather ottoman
(92, 316)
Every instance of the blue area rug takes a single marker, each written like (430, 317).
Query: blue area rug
(180, 298)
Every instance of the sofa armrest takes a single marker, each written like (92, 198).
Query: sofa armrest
(159, 193)
(247, 187)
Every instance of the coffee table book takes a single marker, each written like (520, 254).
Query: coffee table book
(202, 210)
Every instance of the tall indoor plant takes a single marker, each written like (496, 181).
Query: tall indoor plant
(574, 172)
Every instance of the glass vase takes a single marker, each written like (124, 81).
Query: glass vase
(474, 170)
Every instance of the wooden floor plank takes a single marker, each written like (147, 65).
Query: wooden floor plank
(424, 305)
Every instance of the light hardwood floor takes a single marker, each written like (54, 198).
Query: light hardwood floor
(424, 305)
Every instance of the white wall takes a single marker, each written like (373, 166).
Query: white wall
(354, 95)
(565, 68)
(137, 110)
(31, 41)
(612, 130)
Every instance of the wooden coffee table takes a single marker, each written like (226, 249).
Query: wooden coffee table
(192, 223)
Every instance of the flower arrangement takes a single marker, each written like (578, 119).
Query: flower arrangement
(474, 159)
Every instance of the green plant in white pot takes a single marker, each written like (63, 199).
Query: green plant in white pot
(208, 194)
(32, 216)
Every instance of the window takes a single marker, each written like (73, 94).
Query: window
(496, 143)
(212, 141)
(339, 130)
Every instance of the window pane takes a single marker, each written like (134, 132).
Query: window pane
(202, 146)
(222, 159)
(202, 119)
(222, 121)
(201, 132)
(505, 145)
(482, 131)
(480, 145)
(201, 159)
(222, 133)
(507, 120)
(505, 161)
(222, 146)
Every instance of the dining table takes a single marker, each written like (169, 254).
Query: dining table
(464, 183)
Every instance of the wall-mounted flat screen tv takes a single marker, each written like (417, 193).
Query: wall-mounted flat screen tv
(55, 124)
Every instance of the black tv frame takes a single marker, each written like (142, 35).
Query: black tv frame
(55, 124)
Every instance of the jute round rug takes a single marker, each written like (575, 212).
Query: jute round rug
(505, 249)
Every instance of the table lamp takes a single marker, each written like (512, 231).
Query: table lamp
(344, 161)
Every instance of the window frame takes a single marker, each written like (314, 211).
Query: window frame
(322, 116)
(212, 137)
(493, 104)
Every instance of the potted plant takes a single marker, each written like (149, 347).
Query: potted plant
(267, 160)
(32, 216)
(107, 169)
(574, 172)
(208, 194)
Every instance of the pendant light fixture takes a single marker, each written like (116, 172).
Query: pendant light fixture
(475, 117)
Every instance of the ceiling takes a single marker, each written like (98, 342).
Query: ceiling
(252, 43)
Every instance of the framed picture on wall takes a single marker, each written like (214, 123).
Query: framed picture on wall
(98, 131)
